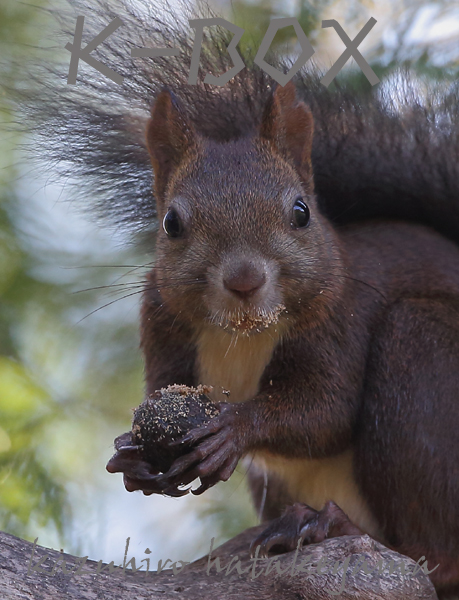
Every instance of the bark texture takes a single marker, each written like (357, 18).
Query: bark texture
(20, 579)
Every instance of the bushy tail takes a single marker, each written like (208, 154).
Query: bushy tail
(393, 153)
(388, 152)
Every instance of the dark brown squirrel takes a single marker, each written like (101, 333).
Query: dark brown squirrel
(339, 346)
(308, 262)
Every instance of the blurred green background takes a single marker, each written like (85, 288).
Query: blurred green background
(70, 368)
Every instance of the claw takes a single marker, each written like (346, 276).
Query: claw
(183, 440)
(152, 485)
(132, 449)
(282, 542)
(124, 441)
(193, 436)
(212, 427)
(205, 485)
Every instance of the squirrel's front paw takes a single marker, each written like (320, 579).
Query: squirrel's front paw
(216, 456)
(137, 473)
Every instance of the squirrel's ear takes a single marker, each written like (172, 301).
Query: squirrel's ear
(169, 137)
(288, 124)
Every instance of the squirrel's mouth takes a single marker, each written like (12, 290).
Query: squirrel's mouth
(248, 321)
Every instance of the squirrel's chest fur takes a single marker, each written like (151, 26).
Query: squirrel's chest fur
(233, 363)
(236, 364)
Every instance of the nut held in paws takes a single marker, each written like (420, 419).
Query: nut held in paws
(165, 417)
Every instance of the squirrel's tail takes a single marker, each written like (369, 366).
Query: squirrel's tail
(393, 153)
(389, 152)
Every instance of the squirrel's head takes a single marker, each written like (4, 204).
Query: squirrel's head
(242, 243)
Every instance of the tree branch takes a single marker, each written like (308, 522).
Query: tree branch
(21, 578)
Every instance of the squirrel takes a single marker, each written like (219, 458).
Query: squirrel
(306, 261)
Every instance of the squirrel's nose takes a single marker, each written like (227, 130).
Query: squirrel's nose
(244, 280)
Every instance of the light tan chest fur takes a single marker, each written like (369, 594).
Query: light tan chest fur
(236, 364)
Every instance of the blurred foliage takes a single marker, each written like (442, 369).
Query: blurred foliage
(27, 489)
(254, 18)
(410, 33)
(50, 370)
(69, 373)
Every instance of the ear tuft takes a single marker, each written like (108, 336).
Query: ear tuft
(170, 137)
(288, 124)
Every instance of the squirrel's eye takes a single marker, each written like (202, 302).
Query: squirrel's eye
(172, 224)
(301, 214)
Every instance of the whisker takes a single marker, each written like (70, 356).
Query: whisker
(175, 319)
(110, 286)
(108, 304)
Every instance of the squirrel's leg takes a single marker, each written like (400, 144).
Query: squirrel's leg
(300, 522)
(407, 448)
